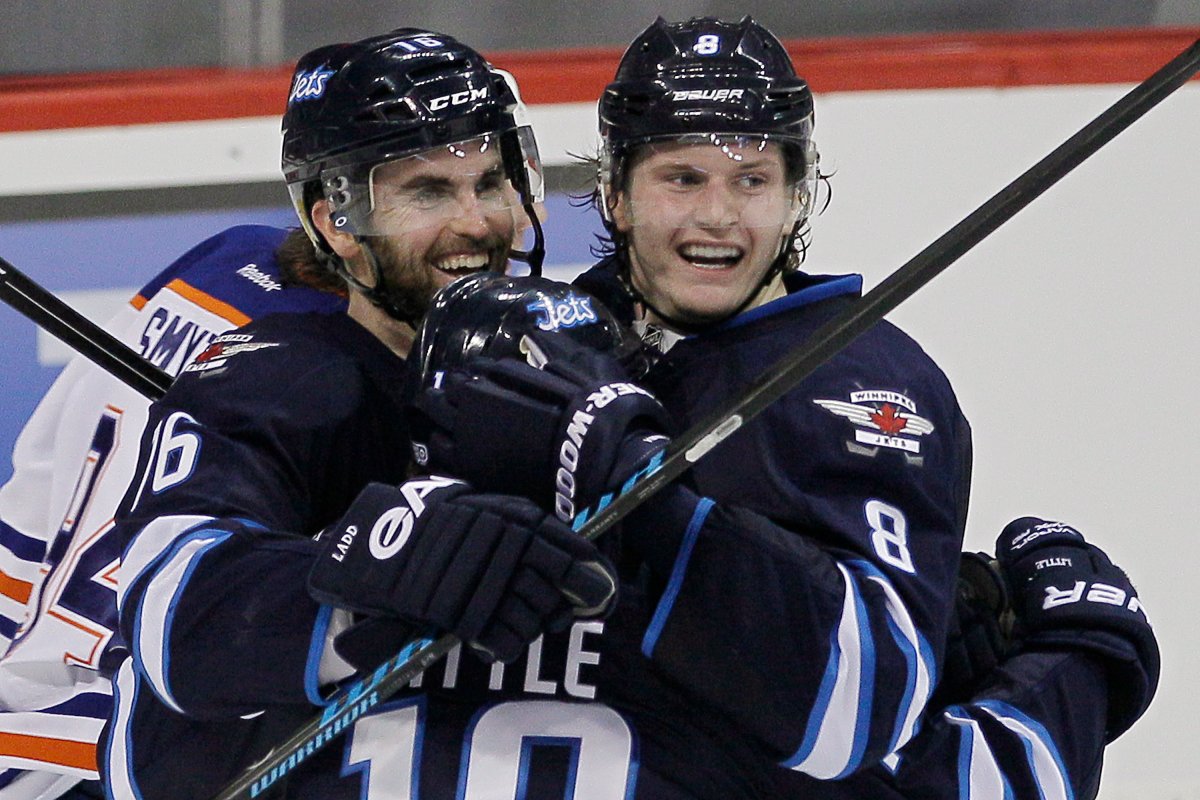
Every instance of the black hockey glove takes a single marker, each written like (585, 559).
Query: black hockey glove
(1067, 593)
(495, 570)
(978, 638)
(560, 435)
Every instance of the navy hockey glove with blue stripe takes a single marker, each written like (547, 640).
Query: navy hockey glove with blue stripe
(495, 570)
(1067, 593)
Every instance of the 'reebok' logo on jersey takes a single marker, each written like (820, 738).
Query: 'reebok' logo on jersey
(881, 419)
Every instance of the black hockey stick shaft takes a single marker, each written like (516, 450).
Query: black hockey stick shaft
(356, 699)
(80, 333)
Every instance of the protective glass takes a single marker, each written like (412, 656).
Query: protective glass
(467, 179)
(715, 181)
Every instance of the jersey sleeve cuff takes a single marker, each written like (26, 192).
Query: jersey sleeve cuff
(325, 666)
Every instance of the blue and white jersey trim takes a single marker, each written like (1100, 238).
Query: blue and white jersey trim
(150, 543)
(918, 655)
(837, 730)
(979, 772)
(1045, 762)
(152, 629)
(120, 781)
(979, 775)
(836, 738)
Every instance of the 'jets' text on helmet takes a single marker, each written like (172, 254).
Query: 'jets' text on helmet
(488, 315)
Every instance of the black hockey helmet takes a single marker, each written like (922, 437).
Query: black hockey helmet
(705, 76)
(489, 315)
(354, 106)
(503, 316)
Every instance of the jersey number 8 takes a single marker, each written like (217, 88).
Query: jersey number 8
(889, 534)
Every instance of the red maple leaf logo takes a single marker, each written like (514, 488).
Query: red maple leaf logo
(210, 352)
(888, 421)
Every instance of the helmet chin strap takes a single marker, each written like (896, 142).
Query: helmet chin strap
(536, 254)
(378, 294)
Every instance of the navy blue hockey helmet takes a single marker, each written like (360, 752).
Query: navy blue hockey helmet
(500, 316)
(703, 77)
(354, 106)
(489, 315)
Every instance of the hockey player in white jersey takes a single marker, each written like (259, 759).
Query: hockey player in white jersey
(71, 464)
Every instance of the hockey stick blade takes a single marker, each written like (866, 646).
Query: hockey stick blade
(80, 333)
(784, 376)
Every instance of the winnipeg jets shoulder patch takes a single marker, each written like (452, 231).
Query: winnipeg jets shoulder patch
(881, 419)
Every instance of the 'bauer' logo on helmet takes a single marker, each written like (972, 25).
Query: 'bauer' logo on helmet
(719, 95)
(310, 85)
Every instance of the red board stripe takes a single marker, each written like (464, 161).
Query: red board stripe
(579, 75)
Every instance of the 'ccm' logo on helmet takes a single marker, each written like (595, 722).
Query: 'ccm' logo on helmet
(310, 85)
(458, 98)
(719, 95)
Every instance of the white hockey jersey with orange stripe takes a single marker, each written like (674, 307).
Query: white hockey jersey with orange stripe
(71, 465)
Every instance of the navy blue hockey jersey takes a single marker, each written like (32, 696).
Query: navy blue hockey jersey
(819, 585)
(260, 443)
(787, 637)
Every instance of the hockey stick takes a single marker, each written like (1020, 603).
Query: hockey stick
(352, 701)
(83, 335)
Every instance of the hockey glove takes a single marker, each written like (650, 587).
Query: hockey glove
(557, 434)
(495, 570)
(978, 638)
(1067, 593)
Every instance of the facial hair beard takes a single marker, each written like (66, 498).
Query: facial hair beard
(409, 282)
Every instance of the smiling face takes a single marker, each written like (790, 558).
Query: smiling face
(704, 221)
(441, 215)
(434, 217)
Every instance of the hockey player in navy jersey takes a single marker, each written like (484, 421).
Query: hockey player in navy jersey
(409, 167)
(698, 127)
(793, 594)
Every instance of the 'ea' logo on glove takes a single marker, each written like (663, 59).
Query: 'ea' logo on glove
(391, 531)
